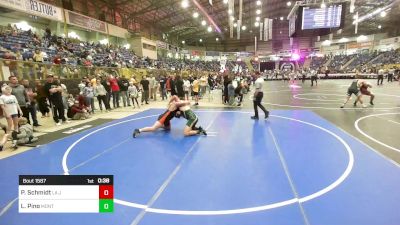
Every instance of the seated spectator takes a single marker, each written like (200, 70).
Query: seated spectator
(77, 112)
(25, 135)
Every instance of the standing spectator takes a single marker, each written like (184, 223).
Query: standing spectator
(186, 88)
(210, 82)
(82, 85)
(314, 77)
(123, 84)
(152, 80)
(88, 93)
(53, 91)
(133, 80)
(231, 93)
(391, 74)
(163, 90)
(179, 87)
(11, 109)
(31, 93)
(203, 86)
(173, 85)
(258, 96)
(154, 88)
(115, 90)
(101, 93)
(64, 93)
(19, 92)
(106, 85)
(225, 90)
(381, 71)
(168, 84)
(195, 88)
(145, 88)
(133, 94)
(41, 99)
(93, 80)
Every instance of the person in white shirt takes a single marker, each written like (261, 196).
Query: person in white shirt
(133, 94)
(11, 111)
(186, 88)
(391, 74)
(257, 98)
(314, 77)
(101, 94)
(152, 85)
(381, 71)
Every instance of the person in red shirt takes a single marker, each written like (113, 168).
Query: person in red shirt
(78, 113)
(82, 102)
(57, 60)
(115, 90)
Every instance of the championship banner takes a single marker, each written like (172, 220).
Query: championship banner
(85, 22)
(34, 7)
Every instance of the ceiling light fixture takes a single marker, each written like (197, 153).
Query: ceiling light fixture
(323, 5)
(185, 4)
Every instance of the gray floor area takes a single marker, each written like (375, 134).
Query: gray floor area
(325, 100)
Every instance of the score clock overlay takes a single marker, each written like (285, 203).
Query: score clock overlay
(66, 194)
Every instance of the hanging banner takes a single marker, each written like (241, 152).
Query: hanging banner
(266, 29)
(34, 7)
(231, 5)
(162, 45)
(270, 29)
(212, 53)
(261, 31)
(85, 22)
(389, 41)
(238, 28)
